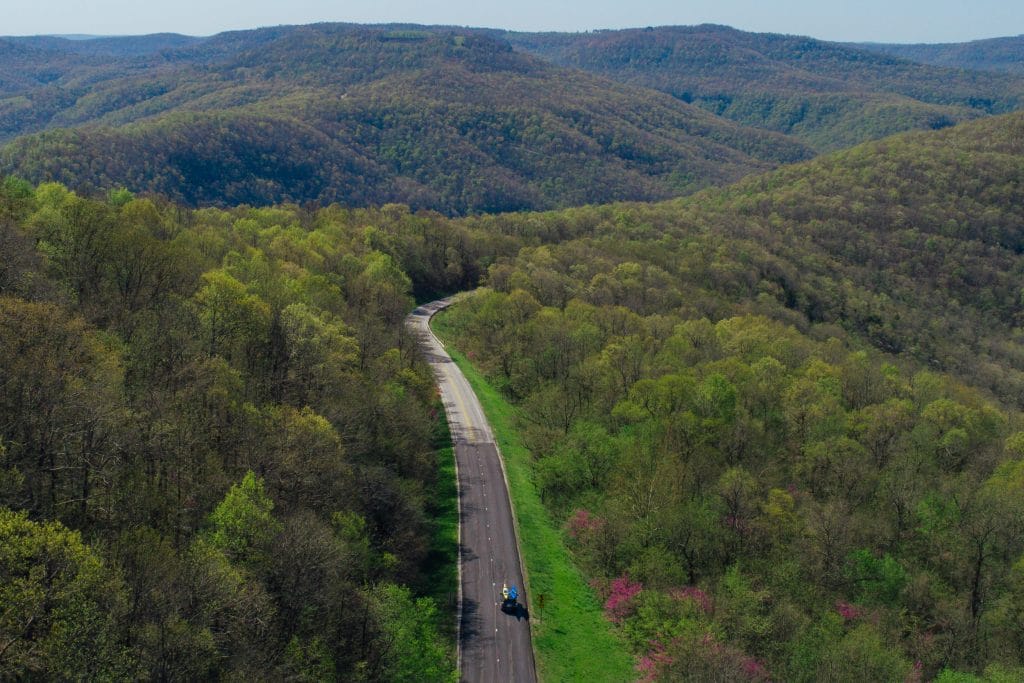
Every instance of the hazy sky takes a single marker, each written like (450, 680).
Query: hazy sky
(875, 20)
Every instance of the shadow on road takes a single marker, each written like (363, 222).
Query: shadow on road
(470, 631)
(517, 610)
(435, 358)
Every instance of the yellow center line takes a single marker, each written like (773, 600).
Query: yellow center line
(467, 420)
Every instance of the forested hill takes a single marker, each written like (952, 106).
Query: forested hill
(779, 421)
(217, 442)
(826, 94)
(735, 405)
(993, 54)
(912, 244)
(456, 122)
(454, 119)
(112, 46)
(26, 67)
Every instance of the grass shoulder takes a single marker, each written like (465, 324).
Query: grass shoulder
(571, 637)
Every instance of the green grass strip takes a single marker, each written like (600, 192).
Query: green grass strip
(572, 639)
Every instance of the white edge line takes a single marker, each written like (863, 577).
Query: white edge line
(512, 507)
(519, 545)
(458, 502)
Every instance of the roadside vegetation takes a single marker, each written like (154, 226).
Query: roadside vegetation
(571, 637)
(442, 508)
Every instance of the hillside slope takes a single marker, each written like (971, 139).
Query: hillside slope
(450, 121)
(913, 244)
(1004, 55)
(826, 94)
(736, 405)
(219, 451)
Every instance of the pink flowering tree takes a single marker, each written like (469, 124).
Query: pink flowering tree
(582, 525)
(699, 657)
(695, 595)
(848, 611)
(620, 603)
(652, 664)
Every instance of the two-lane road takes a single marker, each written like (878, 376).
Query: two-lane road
(493, 645)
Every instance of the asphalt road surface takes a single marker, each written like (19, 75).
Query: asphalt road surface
(494, 645)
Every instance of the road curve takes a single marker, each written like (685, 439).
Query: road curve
(493, 645)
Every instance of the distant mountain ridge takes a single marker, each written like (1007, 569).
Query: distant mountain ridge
(828, 95)
(1004, 55)
(457, 120)
(114, 46)
(440, 119)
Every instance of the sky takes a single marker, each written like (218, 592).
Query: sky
(891, 21)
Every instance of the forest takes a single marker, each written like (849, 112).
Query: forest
(780, 423)
(827, 95)
(218, 445)
(777, 423)
(1005, 55)
(456, 122)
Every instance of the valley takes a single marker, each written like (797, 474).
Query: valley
(732, 387)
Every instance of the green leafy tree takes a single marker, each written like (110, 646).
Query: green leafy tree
(243, 525)
(234, 320)
(413, 648)
(232, 616)
(743, 611)
(60, 605)
(862, 655)
(1004, 624)
(994, 673)
(309, 662)
(878, 580)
